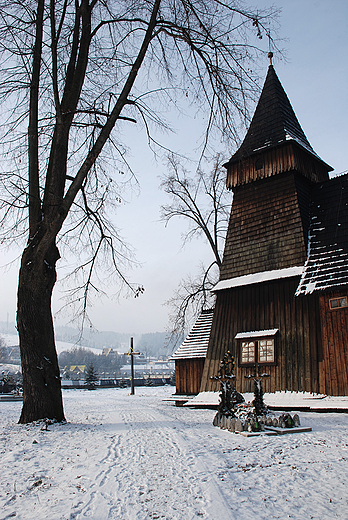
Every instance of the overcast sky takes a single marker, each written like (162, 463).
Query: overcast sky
(315, 78)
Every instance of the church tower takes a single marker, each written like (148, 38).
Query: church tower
(257, 316)
(271, 175)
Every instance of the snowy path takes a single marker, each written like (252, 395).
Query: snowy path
(136, 457)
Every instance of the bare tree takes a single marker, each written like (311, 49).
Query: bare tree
(204, 203)
(72, 72)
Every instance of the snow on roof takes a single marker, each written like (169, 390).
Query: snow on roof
(256, 333)
(326, 267)
(196, 343)
(264, 276)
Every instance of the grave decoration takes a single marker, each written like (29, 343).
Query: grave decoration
(235, 415)
(258, 402)
(229, 397)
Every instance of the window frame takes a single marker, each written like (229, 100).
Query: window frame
(247, 363)
(267, 362)
(248, 339)
(339, 307)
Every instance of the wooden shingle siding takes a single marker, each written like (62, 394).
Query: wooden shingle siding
(286, 254)
(304, 190)
(265, 229)
(189, 357)
(281, 159)
(188, 375)
(267, 306)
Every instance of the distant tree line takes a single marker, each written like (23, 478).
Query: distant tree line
(101, 363)
(153, 344)
(91, 338)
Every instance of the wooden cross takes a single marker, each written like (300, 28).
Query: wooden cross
(258, 401)
(131, 353)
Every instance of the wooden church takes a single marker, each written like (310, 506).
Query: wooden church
(281, 301)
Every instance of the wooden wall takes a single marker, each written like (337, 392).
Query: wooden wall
(262, 306)
(268, 226)
(188, 375)
(277, 159)
(334, 327)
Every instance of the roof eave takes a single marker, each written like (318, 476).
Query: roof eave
(239, 158)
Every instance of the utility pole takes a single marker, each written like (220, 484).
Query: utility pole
(131, 353)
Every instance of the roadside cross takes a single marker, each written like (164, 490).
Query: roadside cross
(131, 353)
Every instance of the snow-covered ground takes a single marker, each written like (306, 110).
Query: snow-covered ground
(138, 457)
(286, 400)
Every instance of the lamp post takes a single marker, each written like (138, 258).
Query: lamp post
(131, 353)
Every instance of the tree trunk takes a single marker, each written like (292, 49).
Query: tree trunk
(42, 397)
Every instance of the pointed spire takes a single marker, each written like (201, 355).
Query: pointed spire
(274, 120)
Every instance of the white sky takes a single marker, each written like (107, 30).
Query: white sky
(315, 79)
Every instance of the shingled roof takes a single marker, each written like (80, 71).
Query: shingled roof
(196, 343)
(327, 265)
(274, 122)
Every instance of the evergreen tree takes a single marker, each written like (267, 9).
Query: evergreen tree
(91, 377)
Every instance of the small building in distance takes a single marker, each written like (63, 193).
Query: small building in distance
(149, 368)
(10, 354)
(108, 351)
(74, 372)
(282, 298)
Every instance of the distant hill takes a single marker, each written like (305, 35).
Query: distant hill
(154, 344)
(91, 338)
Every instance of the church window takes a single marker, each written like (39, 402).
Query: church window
(248, 352)
(266, 351)
(338, 303)
(257, 347)
(257, 351)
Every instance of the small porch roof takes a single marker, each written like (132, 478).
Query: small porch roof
(196, 343)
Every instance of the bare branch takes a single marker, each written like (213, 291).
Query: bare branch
(71, 73)
(204, 203)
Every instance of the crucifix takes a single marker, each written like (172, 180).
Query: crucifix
(258, 402)
(131, 353)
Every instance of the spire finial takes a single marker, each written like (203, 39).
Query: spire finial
(270, 55)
